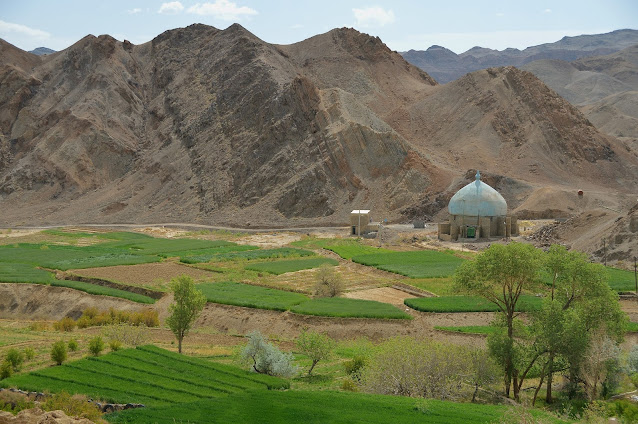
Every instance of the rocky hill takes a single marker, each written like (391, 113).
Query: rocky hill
(444, 65)
(218, 127)
(605, 88)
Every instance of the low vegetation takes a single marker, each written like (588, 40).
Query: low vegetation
(349, 308)
(103, 291)
(526, 303)
(239, 294)
(248, 253)
(414, 264)
(93, 317)
(292, 265)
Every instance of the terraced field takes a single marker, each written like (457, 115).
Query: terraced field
(148, 375)
(526, 303)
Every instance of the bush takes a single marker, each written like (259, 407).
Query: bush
(6, 370)
(58, 352)
(632, 359)
(29, 353)
(349, 385)
(15, 358)
(96, 346)
(14, 402)
(73, 406)
(126, 334)
(355, 366)
(73, 345)
(65, 324)
(115, 345)
(39, 326)
(265, 358)
(328, 282)
(92, 317)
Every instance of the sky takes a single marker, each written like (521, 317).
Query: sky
(403, 25)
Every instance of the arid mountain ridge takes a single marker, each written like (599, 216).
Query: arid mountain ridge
(444, 65)
(219, 127)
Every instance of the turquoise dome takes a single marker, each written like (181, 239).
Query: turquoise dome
(477, 199)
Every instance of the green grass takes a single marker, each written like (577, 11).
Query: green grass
(469, 329)
(319, 407)
(467, 304)
(348, 251)
(24, 273)
(239, 294)
(69, 257)
(103, 291)
(415, 264)
(247, 254)
(292, 265)
(632, 327)
(621, 280)
(165, 247)
(349, 308)
(146, 375)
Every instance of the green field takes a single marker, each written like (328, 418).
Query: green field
(467, 304)
(347, 251)
(239, 294)
(101, 290)
(291, 265)
(349, 308)
(147, 375)
(621, 280)
(414, 264)
(319, 407)
(248, 253)
(24, 273)
(469, 329)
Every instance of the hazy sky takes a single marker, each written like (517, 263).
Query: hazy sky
(458, 25)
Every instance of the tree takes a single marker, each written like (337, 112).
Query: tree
(15, 358)
(187, 305)
(329, 283)
(316, 346)
(58, 352)
(500, 274)
(265, 358)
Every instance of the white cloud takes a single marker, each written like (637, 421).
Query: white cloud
(500, 14)
(134, 11)
(222, 9)
(374, 16)
(547, 11)
(296, 26)
(171, 8)
(8, 28)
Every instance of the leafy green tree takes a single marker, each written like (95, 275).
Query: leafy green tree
(316, 346)
(58, 352)
(187, 305)
(73, 345)
(15, 358)
(500, 274)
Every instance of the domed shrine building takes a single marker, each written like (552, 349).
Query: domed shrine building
(477, 211)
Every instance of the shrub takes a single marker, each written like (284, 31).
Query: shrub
(38, 326)
(92, 317)
(29, 353)
(632, 359)
(115, 345)
(15, 358)
(73, 345)
(349, 385)
(355, 366)
(96, 346)
(265, 358)
(14, 402)
(6, 370)
(126, 334)
(73, 406)
(328, 282)
(58, 352)
(65, 324)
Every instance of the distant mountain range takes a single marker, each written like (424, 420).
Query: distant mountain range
(444, 65)
(42, 51)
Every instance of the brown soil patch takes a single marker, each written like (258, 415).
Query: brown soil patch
(154, 274)
(269, 240)
(380, 294)
(33, 301)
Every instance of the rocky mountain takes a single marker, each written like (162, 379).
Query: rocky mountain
(39, 51)
(605, 88)
(218, 127)
(444, 65)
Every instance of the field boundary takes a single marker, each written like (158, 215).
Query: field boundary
(110, 284)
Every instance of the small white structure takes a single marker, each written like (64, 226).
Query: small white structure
(361, 223)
